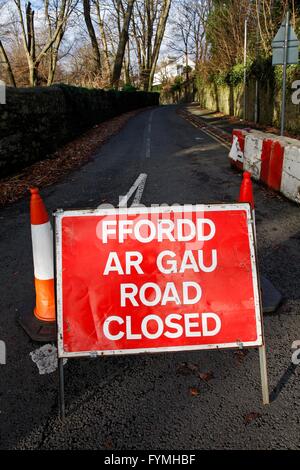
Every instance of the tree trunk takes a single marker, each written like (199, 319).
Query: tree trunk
(148, 46)
(158, 39)
(32, 75)
(91, 31)
(138, 45)
(28, 35)
(33, 68)
(7, 66)
(52, 67)
(30, 30)
(127, 66)
(104, 42)
(122, 45)
(54, 57)
(149, 34)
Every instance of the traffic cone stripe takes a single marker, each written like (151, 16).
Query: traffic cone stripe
(246, 190)
(38, 212)
(42, 247)
(45, 304)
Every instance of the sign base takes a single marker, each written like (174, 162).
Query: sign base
(39, 331)
(271, 297)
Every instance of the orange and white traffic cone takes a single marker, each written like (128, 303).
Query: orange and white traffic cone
(41, 326)
(270, 296)
(246, 190)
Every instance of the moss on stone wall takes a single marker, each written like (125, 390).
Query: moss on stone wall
(229, 100)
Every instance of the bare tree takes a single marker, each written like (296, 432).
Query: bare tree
(53, 17)
(6, 65)
(104, 41)
(268, 20)
(143, 29)
(34, 54)
(92, 35)
(148, 29)
(199, 10)
(121, 40)
(189, 30)
(182, 32)
(117, 69)
(4, 59)
(225, 32)
(158, 39)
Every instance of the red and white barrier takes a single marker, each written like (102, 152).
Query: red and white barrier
(273, 160)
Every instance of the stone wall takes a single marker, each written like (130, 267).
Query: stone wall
(35, 122)
(229, 100)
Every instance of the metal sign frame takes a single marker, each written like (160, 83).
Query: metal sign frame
(285, 38)
(259, 343)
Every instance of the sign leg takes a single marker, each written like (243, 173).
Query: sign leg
(61, 388)
(264, 374)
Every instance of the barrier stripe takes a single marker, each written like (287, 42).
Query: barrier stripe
(265, 160)
(275, 166)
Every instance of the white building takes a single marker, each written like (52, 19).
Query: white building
(171, 67)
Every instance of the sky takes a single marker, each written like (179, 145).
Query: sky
(74, 35)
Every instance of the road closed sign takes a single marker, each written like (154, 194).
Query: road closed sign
(156, 279)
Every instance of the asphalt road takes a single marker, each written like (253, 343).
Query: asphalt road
(144, 401)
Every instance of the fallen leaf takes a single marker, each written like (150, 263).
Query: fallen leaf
(206, 376)
(185, 368)
(241, 354)
(108, 444)
(248, 418)
(194, 392)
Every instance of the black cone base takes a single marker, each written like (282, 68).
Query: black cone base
(39, 331)
(271, 297)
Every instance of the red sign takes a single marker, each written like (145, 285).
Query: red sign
(157, 279)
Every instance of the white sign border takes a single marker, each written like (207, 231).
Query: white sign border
(60, 214)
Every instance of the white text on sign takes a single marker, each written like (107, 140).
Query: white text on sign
(152, 294)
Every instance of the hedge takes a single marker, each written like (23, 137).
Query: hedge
(35, 122)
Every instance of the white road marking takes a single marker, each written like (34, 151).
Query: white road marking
(138, 187)
(46, 359)
(148, 137)
(139, 191)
